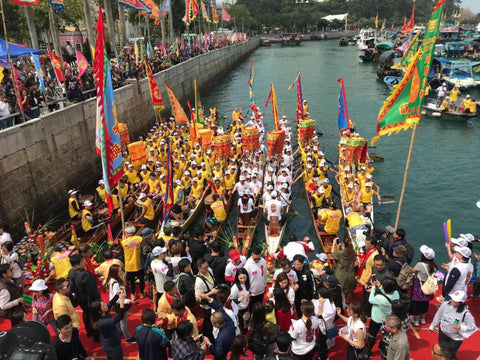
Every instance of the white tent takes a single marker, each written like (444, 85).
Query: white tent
(478, 27)
(340, 17)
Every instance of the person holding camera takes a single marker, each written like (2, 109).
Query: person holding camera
(184, 346)
(205, 285)
(152, 341)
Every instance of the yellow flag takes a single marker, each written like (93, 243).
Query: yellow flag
(1, 74)
(376, 21)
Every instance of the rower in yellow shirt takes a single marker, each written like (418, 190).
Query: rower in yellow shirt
(73, 206)
(370, 167)
(88, 219)
(148, 212)
(349, 195)
(153, 185)
(196, 191)
(132, 175)
(144, 173)
(101, 190)
(472, 109)
(353, 221)
(219, 214)
(445, 106)
(133, 265)
(364, 198)
(229, 181)
(330, 219)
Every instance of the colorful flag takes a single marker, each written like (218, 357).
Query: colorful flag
(57, 65)
(26, 2)
(164, 9)
(343, 117)
(149, 51)
(225, 15)
(157, 100)
(214, 14)
(38, 67)
(208, 173)
(198, 105)
(393, 26)
(137, 54)
(178, 112)
(250, 83)
(107, 139)
(74, 237)
(193, 125)
(195, 9)
(382, 29)
(168, 202)
(408, 53)
(273, 96)
(58, 5)
(356, 149)
(134, 4)
(204, 11)
(109, 234)
(403, 107)
(1, 73)
(376, 21)
(187, 17)
(82, 64)
(17, 88)
(297, 80)
(407, 27)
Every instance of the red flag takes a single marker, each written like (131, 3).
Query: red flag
(178, 112)
(409, 26)
(82, 64)
(57, 65)
(157, 100)
(17, 88)
(109, 234)
(214, 15)
(186, 18)
(225, 15)
(26, 2)
(393, 26)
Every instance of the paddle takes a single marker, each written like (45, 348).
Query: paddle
(388, 202)
(376, 158)
(388, 196)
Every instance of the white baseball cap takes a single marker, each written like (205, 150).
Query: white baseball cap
(463, 250)
(428, 252)
(458, 296)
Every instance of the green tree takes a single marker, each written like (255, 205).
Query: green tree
(242, 16)
(17, 30)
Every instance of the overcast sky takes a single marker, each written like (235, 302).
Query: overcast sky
(473, 5)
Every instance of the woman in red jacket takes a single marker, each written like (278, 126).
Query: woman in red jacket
(283, 309)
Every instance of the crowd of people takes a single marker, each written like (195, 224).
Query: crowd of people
(35, 100)
(209, 298)
(448, 100)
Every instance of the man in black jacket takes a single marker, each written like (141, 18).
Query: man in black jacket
(87, 287)
(217, 262)
(306, 286)
(284, 342)
(186, 283)
(197, 249)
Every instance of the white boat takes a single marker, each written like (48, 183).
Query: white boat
(366, 38)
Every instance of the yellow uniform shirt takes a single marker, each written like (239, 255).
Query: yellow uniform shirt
(370, 169)
(196, 191)
(176, 193)
(153, 185)
(116, 201)
(332, 221)
(61, 264)
(101, 193)
(71, 208)
(86, 225)
(354, 219)
(444, 105)
(318, 199)
(454, 94)
(328, 191)
(132, 252)
(219, 210)
(132, 176)
(123, 191)
(229, 182)
(62, 305)
(366, 197)
(145, 175)
(150, 213)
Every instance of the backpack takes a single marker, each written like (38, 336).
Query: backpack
(405, 277)
(76, 296)
(430, 286)
(177, 277)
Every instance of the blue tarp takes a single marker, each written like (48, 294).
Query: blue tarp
(15, 50)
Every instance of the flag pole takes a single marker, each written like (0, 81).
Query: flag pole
(10, 60)
(405, 175)
(122, 214)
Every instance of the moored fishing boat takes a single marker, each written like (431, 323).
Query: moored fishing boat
(431, 108)
(391, 81)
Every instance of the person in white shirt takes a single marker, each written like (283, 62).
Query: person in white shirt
(284, 195)
(283, 282)
(255, 186)
(240, 295)
(4, 235)
(159, 269)
(242, 187)
(267, 195)
(284, 177)
(287, 158)
(286, 268)
(256, 267)
(236, 261)
(273, 207)
(295, 247)
(245, 205)
(302, 332)
(355, 332)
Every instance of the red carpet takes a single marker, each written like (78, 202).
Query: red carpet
(420, 347)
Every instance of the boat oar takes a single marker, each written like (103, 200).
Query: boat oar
(388, 196)
(376, 158)
(388, 202)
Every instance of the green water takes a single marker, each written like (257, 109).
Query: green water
(442, 181)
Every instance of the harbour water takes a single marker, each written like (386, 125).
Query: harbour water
(442, 181)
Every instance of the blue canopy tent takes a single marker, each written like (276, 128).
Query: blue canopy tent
(15, 51)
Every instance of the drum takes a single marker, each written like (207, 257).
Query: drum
(206, 137)
(250, 138)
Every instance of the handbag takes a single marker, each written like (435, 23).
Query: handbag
(362, 354)
(430, 286)
(332, 333)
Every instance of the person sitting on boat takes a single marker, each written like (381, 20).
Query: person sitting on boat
(364, 198)
(330, 219)
(295, 247)
(305, 106)
(132, 174)
(353, 221)
(242, 187)
(284, 177)
(101, 190)
(150, 163)
(219, 188)
(441, 93)
(327, 188)
(445, 106)
(246, 207)
(318, 200)
(187, 182)
(349, 196)
(153, 185)
(284, 195)
(370, 167)
(196, 192)
(123, 189)
(219, 213)
(274, 208)
(148, 213)
(472, 107)
(454, 97)
(89, 220)
(256, 187)
(229, 182)
(73, 206)
(144, 173)
(178, 200)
